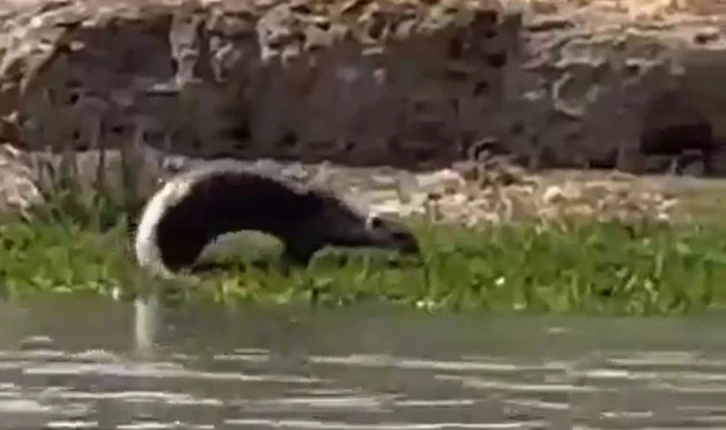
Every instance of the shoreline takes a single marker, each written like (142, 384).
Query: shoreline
(566, 262)
(629, 87)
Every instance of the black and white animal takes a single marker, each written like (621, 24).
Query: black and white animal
(194, 208)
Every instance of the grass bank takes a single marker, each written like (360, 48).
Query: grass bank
(635, 268)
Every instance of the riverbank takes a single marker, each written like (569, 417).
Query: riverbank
(594, 257)
(415, 86)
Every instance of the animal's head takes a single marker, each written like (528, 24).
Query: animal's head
(345, 226)
(392, 234)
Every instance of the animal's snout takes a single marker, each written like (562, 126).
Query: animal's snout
(407, 242)
(393, 234)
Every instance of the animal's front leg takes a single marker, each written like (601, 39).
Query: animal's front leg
(299, 253)
(294, 256)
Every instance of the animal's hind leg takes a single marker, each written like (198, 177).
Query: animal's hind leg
(296, 256)
(182, 253)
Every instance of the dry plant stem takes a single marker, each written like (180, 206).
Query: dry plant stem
(53, 175)
(68, 170)
(99, 143)
(132, 167)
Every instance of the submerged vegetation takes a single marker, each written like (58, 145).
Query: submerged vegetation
(612, 267)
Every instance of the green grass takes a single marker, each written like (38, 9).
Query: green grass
(581, 267)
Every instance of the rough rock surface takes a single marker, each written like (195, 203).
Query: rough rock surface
(19, 189)
(352, 82)
(404, 83)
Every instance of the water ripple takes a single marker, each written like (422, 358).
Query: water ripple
(351, 374)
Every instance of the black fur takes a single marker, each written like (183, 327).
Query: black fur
(305, 220)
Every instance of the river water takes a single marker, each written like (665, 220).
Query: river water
(97, 364)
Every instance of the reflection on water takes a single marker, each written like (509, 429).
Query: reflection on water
(89, 363)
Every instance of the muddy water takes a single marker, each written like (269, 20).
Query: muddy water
(87, 363)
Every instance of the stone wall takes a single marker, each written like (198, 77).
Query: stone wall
(405, 83)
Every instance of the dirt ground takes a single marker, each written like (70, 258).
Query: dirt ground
(469, 193)
(493, 192)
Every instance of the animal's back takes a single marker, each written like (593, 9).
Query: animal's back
(240, 199)
(220, 200)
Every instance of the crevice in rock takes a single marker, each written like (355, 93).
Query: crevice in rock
(678, 135)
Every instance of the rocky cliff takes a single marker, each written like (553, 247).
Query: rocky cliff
(403, 83)
(626, 84)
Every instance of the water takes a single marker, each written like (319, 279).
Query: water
(95, 364)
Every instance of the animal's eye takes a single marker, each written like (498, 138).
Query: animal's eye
(376, 222)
